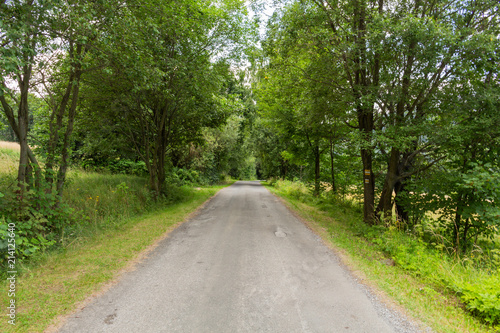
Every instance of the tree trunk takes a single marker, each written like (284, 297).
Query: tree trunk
(458, 222)
(385, 204)
(368, 188)
(332, 168)
(364, 108)
(317, 170)
(153, 176)
(161, 160)
(402, 213)
(22, 121)
(61, 174)
(15, 130)
(467, 226)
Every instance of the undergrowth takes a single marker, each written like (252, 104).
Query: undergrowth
(92, 202)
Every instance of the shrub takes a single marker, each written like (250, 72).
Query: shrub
(128, 167)
(27, 236)
(37, 217)
(180, 177)
(296, 190)
(482, 297)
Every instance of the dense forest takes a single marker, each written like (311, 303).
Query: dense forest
(390, 105)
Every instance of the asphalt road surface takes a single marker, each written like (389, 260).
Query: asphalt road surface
(243, 264)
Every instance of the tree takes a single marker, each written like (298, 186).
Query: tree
(23, 38)
(297, 95)
(167, 65)
(392, 59)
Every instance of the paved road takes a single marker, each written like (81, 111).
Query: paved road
(243, 264)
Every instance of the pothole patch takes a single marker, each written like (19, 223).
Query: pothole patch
(110, 319)
(280, 233)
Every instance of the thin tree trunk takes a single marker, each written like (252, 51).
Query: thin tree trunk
(61, 174)
(317, 169)
(22, 121)
(15, 129)
(332, 168)
(457, 221)
(57, 116)
(368, 188)
(385, 204)
(402, 213)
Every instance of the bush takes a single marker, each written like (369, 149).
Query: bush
(180, 177)
(115, 166)
(37, 218)
(478, 290)
(27, 239)
(128, 167)
(482, 298)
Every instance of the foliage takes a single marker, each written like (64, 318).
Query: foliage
(117, 165)
(226, 150)
(391, 77)
(28, 239)
(463, 204)
(481, 297)
(482, 188)
(479, 291)
(165, 72)
(37, 220)
(180, 177)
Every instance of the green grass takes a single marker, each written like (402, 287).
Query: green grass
(9, 155)
(60, 280)
(409, 274)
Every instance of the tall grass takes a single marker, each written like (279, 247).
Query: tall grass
(60, 280)
(107, 200)
(9, 157)
(92, 201)
(12, 146)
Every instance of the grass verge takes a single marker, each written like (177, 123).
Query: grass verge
(363, 249)
(59, 281)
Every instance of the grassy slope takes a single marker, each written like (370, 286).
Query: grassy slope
(339, 227)
(9, 155)
(118, 231)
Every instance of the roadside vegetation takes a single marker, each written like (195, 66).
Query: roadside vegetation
(449, 293)
(127, 117)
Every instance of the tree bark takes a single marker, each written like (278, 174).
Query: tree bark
(385, 204)
(15, 129)
(332, 168)
(317, 169)
(22, 121)
(61, 174)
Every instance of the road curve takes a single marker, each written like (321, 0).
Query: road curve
(243, 264)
